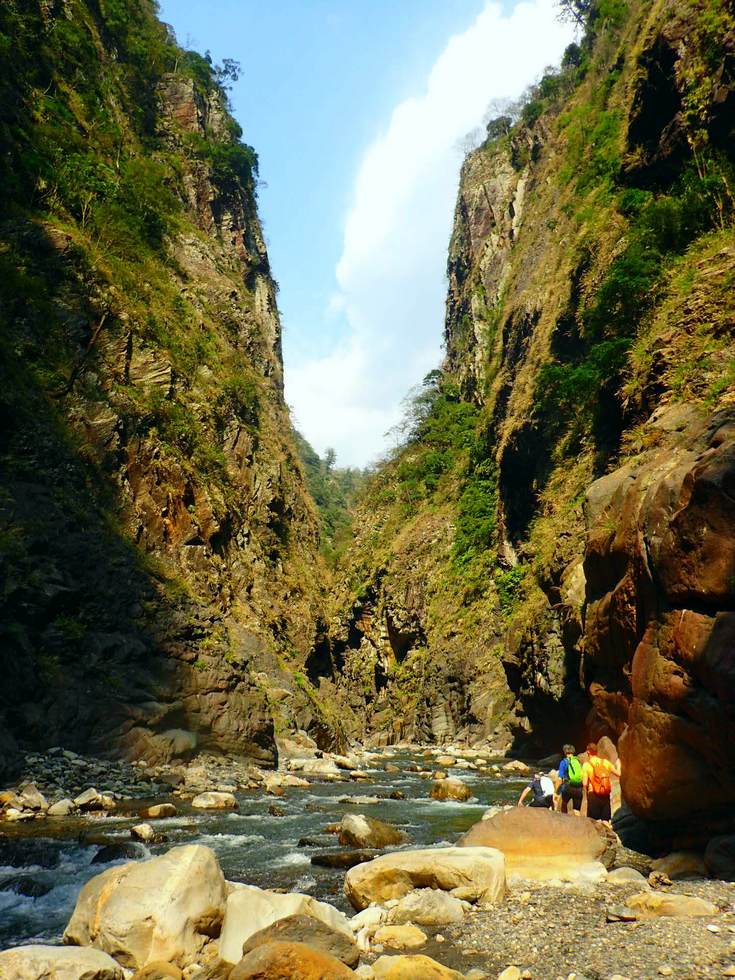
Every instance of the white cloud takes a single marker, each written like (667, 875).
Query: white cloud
(390, 275)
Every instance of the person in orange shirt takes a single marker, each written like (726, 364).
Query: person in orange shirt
(596, 781)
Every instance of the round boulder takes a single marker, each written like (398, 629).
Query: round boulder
(450, 789)
(540, 844)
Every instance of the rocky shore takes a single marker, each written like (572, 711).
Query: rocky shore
(522, 894)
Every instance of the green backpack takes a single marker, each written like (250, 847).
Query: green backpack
(574, 771)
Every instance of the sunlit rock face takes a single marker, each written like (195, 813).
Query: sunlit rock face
(660, 626)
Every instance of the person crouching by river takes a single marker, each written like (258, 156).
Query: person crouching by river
(596, 781)
(570, 774)
(543, 792)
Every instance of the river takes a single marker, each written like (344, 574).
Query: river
(252, 845)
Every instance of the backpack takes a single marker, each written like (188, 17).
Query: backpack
(599, 781)
(574, 771)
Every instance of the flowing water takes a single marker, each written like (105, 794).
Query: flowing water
(252, 846)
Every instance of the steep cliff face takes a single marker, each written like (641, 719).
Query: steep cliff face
(583, 534)
(155, 525)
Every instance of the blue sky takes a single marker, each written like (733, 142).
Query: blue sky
(355, 108)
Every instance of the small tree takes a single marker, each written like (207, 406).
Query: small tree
(330, 458)
(576, 12)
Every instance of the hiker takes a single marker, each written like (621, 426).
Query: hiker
(596, 781)
(570, 774)
(543, 792)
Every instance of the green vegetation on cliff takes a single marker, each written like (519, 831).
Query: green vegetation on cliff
(590, 284)
(160, 539)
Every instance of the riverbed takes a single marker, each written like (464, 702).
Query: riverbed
(252, 844)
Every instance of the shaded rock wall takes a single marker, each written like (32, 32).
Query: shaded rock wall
(160, 546)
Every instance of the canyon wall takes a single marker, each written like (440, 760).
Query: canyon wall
(562, 565)
(160, 560)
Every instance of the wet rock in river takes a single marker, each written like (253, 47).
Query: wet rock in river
(342, 859)
(450, 789)
(158, 810)
(143, 832)
(26, 885)
(120, 851)
(215, 801)
(357, 830)
(62, 808)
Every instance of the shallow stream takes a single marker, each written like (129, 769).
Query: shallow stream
(252, 845)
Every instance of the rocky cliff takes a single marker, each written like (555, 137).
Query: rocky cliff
(159, 548)
(550, 554)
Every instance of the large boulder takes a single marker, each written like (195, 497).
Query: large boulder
(357, 830)
(476, 874)
(250, 909)
(307, 929)
(58, 963)
(450, 789)
(148, 910)
(412, 968)
(542, 845)
(289, 961)
(659, 621)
